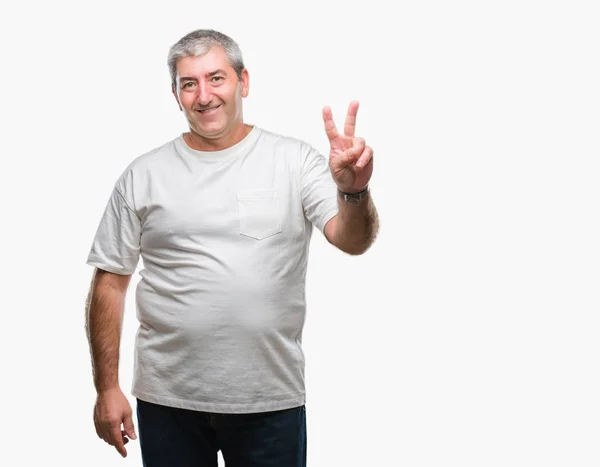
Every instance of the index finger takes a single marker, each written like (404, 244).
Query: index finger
(350, 124)
(330, 128)
(117, 440)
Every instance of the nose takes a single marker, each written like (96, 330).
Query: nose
(204, 95)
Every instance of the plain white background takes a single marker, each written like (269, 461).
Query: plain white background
(467, 335)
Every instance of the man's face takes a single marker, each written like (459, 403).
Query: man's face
(210, 93)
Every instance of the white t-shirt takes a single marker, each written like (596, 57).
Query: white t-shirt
(224, 238)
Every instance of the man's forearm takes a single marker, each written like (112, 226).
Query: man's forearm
(356, 226)
(104, 316)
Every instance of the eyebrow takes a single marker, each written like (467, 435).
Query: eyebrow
(212, 73)
(216, 72)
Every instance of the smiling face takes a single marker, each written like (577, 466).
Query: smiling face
(210, 93)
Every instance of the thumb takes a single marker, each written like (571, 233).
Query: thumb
(351, 154)
(129, 427)
(339, 159)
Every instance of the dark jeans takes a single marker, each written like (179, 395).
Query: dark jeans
(171, 437)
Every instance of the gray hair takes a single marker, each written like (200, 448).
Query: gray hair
(199, 42)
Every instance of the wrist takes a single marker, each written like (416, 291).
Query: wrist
(352, 191)
(354, 197)
(105, 387)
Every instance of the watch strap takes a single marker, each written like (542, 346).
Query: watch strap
(354, 198)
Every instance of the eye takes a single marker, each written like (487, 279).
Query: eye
(188, 84)
(216, 79)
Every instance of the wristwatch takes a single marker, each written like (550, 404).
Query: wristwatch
(354, 198)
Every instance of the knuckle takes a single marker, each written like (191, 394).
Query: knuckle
(113, 421)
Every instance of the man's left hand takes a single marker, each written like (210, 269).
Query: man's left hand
(350, 159)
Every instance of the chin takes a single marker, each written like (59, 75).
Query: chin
(211, 131)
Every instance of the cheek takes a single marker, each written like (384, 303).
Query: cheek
(228, 95)
(186, 100)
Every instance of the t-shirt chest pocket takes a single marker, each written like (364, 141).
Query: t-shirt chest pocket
(260, 213)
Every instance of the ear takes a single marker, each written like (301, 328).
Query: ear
(176, 97)
(245, 83)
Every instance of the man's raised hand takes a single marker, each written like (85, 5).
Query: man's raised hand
(350, 159)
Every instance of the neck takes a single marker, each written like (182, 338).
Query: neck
(201, 143)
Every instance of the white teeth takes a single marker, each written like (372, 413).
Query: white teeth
(208, 110)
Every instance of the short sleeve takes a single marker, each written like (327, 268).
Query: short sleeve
(116, 246)
(319, 191)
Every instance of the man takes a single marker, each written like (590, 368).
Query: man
(222, 218)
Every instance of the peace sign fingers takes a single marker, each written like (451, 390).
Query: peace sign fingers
(350, 124)
(330, 128)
